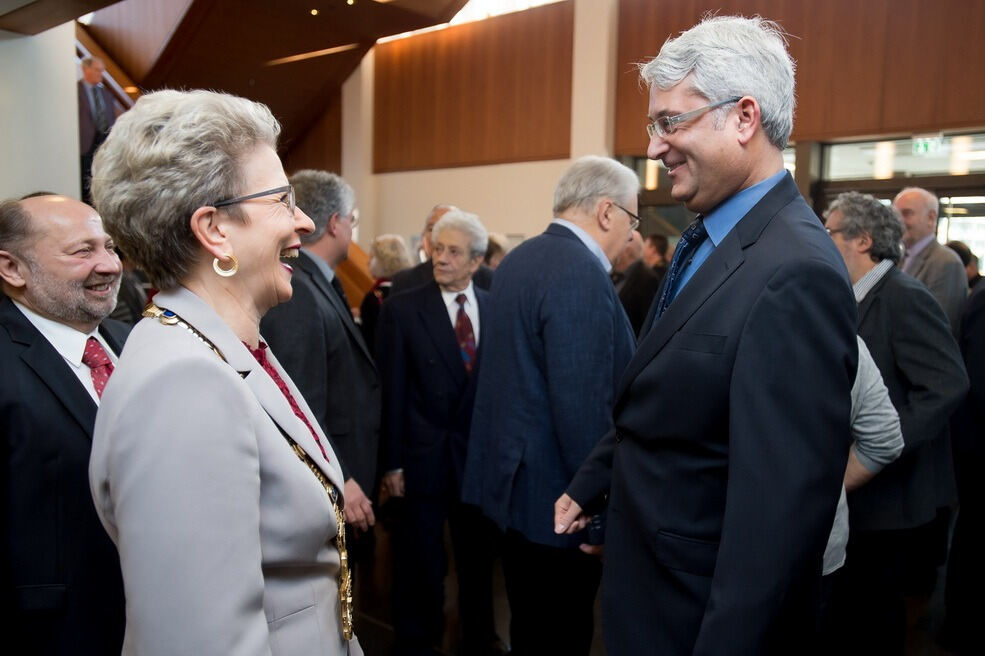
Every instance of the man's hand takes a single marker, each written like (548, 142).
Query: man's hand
(568, 517)
(394, 482)
(358, 508)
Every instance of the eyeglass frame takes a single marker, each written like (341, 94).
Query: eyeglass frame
(834, 231)
(664, 126)
(289, 189)
(634, 219)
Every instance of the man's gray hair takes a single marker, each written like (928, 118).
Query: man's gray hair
(469, 224)
(864, 214)
(728, 56)
(15, 227)
(591, 178)
(321, 194)
(170, 154)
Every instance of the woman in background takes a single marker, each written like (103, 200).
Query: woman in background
(208, 470)
(388, 255)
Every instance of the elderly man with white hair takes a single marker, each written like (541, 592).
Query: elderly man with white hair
(428, 347)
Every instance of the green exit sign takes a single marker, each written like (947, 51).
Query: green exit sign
(927, 145)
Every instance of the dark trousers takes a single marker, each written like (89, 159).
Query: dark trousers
(552, 597)
(419, 567)
(867, 612)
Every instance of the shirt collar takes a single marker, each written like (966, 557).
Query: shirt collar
(586, 239)
(919, 246)
(322, 265)
(720, 221)
(449, 297)
(69, 342)
(865, 284)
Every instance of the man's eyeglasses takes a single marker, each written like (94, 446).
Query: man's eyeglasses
(287, 198)
(634, 221)
(834, 231)
(354, 220)
(666, 125)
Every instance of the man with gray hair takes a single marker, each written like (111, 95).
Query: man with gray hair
(732, 422)
(430, 344)
(321, 347)
(892, 519)
(423, 273)
(60, 581)
(557, 340)
(925, 259)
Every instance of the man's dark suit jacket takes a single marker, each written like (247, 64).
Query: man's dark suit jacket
(423, 273)
(87, 122)
(910, 340)
(557, 340)
(729, 447)
(638, 292)
(322, 349)
(61, 583)
(427, 395)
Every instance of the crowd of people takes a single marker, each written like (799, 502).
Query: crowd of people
(748, 444)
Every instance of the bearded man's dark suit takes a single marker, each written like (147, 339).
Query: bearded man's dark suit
(423, 273)
(61, 584)
(322, 349)
(730, 439)
(427, 400)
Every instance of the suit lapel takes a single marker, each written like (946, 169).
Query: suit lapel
(725, 260)
(325, 287)
(718, 268)
(434, 316)
(42, 358)
(198, 314)
(870, 297)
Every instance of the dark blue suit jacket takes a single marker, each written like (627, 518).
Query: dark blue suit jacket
(556, 340)
(730, 443)
(427, 394)
(60, 578)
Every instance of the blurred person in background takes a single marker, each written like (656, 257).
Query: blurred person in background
(388, 254)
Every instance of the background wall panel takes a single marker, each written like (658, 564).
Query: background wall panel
(480, 93)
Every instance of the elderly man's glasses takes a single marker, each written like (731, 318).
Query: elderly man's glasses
(634, 221)
(834, 231)
(287, 198)
(666, 125)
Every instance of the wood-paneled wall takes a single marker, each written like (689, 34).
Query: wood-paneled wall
(864, 68)
(321, 146)
(481, 93)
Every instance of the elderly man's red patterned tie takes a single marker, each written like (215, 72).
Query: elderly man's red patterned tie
(99, 363)
(464, 334)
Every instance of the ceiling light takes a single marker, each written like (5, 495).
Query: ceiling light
(314, 12)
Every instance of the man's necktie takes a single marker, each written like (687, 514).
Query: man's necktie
(102, 124)
(337, 286)
(690, 240)
(99, 363)
(464, 334)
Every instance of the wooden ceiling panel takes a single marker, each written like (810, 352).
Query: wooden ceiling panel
(36, 17)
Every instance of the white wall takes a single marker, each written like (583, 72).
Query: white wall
(509, 198)
(39, 134)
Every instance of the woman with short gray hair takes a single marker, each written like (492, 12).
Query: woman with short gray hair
(208, 470)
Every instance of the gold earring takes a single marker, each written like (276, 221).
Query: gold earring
(226, 273)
